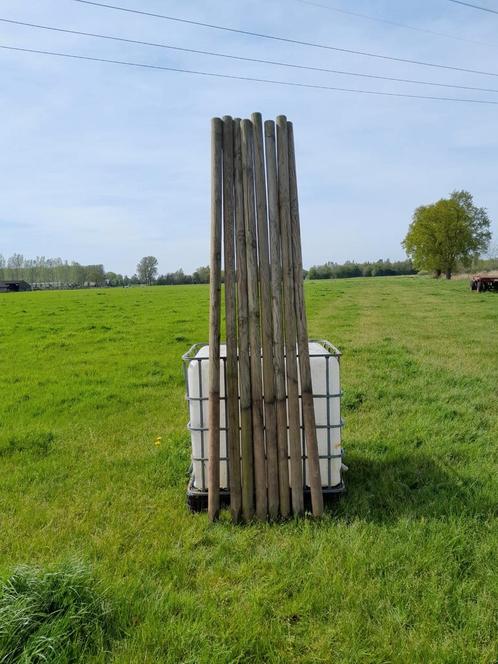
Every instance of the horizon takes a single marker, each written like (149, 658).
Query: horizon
(91, 150)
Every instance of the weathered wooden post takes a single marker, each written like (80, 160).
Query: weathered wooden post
(277, 329)
(296, 472)
(232, 373)
(302, 337)
(214, 322)
(254, 320)
(243, 336)
(266, 318)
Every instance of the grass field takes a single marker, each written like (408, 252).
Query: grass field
(403, 570)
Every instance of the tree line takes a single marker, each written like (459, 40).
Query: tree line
(349, 269)
(327, 271)
(56, 273)
(42, 272)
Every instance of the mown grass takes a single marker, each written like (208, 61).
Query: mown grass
(402, 570)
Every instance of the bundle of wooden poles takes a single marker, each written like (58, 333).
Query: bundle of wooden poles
(255, 218)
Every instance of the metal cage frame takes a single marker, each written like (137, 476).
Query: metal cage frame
(197, 498)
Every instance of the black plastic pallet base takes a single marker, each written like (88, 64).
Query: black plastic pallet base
(197, 500)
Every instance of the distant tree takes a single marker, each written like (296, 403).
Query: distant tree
(201, 275)
(147, 269)
(453, 230)
(15, 265)
(113, 279)
(95, 274)
(321, 271)
(2, 267)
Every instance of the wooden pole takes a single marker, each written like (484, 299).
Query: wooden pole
(266, 318)
(289, 319)
(214, 322)
(254, 320)
(302, 337)
(243, 337)
(232, 380)
(278, 340)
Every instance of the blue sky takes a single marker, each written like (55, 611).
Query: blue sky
(101, 163)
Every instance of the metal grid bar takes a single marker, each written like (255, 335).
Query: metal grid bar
(224, 364)
(202, 423)
(327, 378)
(318, 426)
(329, 348)
(315, 396)
(303, 443)
(339, 455)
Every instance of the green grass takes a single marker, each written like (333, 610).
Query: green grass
(61, 615)
(402, 570)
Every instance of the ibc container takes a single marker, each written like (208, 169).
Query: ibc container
(325, 374)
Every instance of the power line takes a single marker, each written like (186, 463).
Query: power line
(243, 58)
(287, 40)
(395, 23)
(480, 7)
(245, 78)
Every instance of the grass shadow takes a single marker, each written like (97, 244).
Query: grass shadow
(409, 486)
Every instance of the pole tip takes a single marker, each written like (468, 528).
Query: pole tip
(246, 126)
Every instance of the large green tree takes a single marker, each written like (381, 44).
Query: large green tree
(451, 231)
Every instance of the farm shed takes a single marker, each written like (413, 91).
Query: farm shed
(14, 286)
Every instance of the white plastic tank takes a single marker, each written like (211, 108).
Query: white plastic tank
(324, 360)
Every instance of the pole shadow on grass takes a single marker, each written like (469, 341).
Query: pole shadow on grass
(408, 486)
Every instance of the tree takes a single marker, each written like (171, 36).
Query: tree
(147, 269)
(15, 265)
(201, 275)
(113, 279)
(453, 230)
(95, 274)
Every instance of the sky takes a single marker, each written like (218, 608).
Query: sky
(102, 163)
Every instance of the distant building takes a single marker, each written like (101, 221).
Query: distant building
(14, 286)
